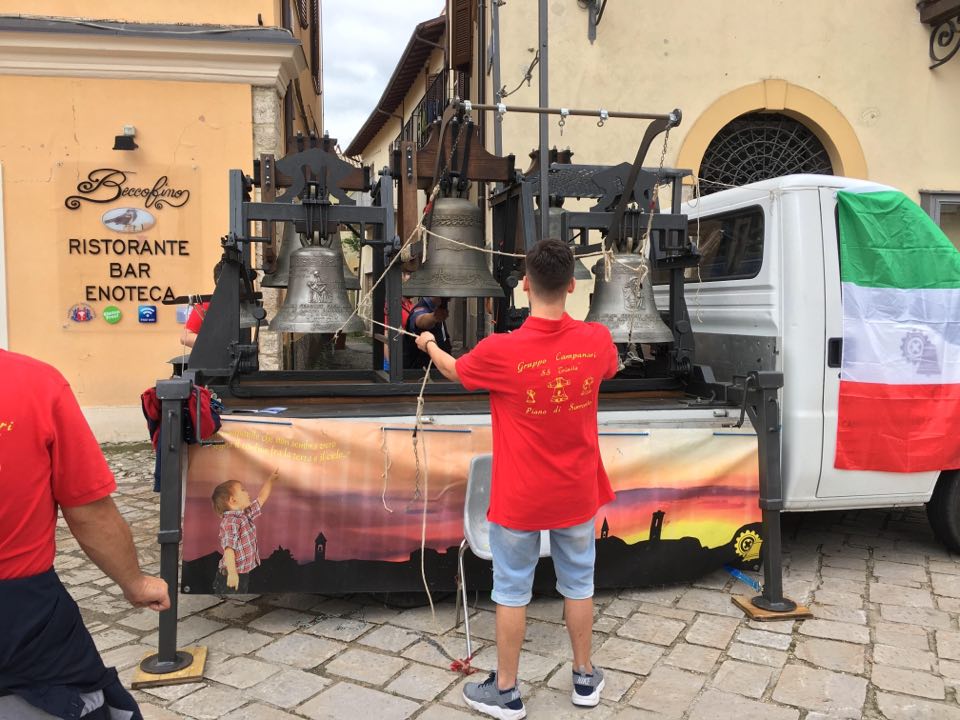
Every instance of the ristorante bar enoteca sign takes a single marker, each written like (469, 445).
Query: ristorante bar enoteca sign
(125, 235)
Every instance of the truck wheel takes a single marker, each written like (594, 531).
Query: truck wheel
(943, 510)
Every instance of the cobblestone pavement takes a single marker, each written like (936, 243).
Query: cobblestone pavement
(884, 643)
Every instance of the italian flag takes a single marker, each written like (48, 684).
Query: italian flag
(899, 404)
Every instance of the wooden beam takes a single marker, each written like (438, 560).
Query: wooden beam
(408, 209)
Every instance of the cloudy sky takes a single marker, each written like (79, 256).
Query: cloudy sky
(362, 42)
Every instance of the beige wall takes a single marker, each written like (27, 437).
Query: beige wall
(231, 12)
(192, 132)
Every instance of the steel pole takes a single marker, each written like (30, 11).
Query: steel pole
(544, 129)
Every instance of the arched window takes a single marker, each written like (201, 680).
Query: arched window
(759, 146)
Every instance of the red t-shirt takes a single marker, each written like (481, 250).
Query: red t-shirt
(48, 457)
(544, 382)
(196, 316)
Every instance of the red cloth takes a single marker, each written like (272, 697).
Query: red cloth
(406, 305)
(544, 382)
(196, 316)
(237, 531)
(48, 457)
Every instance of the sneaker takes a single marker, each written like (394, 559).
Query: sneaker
(587, 687)
(487, 698)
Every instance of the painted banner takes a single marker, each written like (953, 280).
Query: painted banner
(354, 509)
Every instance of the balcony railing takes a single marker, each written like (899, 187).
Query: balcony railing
(430, 108)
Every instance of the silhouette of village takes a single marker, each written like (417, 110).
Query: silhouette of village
(649, 562)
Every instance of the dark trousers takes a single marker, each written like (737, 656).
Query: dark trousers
(47, 656)
(220, 584)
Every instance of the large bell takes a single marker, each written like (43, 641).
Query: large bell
(452, 270)
(289, 242)
(350, 281)
(316, 300)
(580, 271)
(625, 305)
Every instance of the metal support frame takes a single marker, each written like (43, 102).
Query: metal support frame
(172, 451)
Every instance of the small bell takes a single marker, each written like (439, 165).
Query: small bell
(316, 300)
(625, 304)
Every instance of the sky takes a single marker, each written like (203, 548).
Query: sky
(362, 42)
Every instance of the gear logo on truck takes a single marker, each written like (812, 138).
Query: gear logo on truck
(747, 545)
(917, 350)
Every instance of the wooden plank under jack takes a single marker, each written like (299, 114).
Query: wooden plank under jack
(754, 613)
(192, 673)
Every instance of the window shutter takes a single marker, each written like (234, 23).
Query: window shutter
(461, 34)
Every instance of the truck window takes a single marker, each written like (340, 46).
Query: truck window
(731, 246)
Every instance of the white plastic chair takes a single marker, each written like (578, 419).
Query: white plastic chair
(476, 529)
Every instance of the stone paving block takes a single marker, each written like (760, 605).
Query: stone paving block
(436, 712)
(905, 657)
(338, 628)
(550, 639)
(236, 641)
(546, 609)
(339, 607)
(189, 630)
(651, 629)
(153, 712)
(346, 700)
(209, 703)
(366, 666)
(916, 616)
(668, 691)
(105, 604)
(717, 580)
(234, 612)
(835, 613)
(190, 604)
(709, 601)
(742, 678)
(948, 585)
(764, 638)
(712, 631)
(945, 567)
(292, 601)
(947, 604)
(899, 635)
(143, 620)
(836, 694)
(549, 704)
(111, 638)
(898, 707)
(858, 576)
(241, 672)
(838, 598)
(300, 650)
(847, 586)
(426, 653)
(288, 688)
(831, 654)
(717, 705)
(835, 631)
(533, 667)
(673, 613)
(888, 594)
(82, 592)
(908, 682)
(778, 626)
(846, 562)
(259, 711)
(615, 683)
(387, 637)
(757, 654)
(627, 655)
(421, 682)
(126, 655)
(621, 608)
(658, 596)
(174, 692)
(281, 621)
(421, 619)
(693, 657)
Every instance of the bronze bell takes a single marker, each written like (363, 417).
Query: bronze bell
(452, 270)
(289, 241)
(625, 305)
(350, 281)
(316, 300)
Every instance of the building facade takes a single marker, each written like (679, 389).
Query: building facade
(121, 123)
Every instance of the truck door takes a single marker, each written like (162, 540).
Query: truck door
(887, 488)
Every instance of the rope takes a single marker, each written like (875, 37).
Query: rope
(489, 251)
(386, 469)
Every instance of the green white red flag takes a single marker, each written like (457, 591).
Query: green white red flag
(899, 404)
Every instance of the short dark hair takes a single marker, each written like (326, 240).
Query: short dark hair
(549, 266)
(222, 494)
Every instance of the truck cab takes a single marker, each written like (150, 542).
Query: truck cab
(766, 296)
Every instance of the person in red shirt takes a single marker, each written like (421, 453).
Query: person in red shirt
(198, 312)
(544, 382)
(49, 459)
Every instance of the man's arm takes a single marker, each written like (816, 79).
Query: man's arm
(105, 537)
(188, 338)
(429, 320)
(268, 487)
(445, 362)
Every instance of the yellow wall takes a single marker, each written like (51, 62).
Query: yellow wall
(231, 12)
(194, 132)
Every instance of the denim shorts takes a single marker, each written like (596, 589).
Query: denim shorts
(515, 555)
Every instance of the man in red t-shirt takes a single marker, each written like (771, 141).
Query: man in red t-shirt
(49, 459)
(543, 381)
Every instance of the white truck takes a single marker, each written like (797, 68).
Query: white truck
(766, 296)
